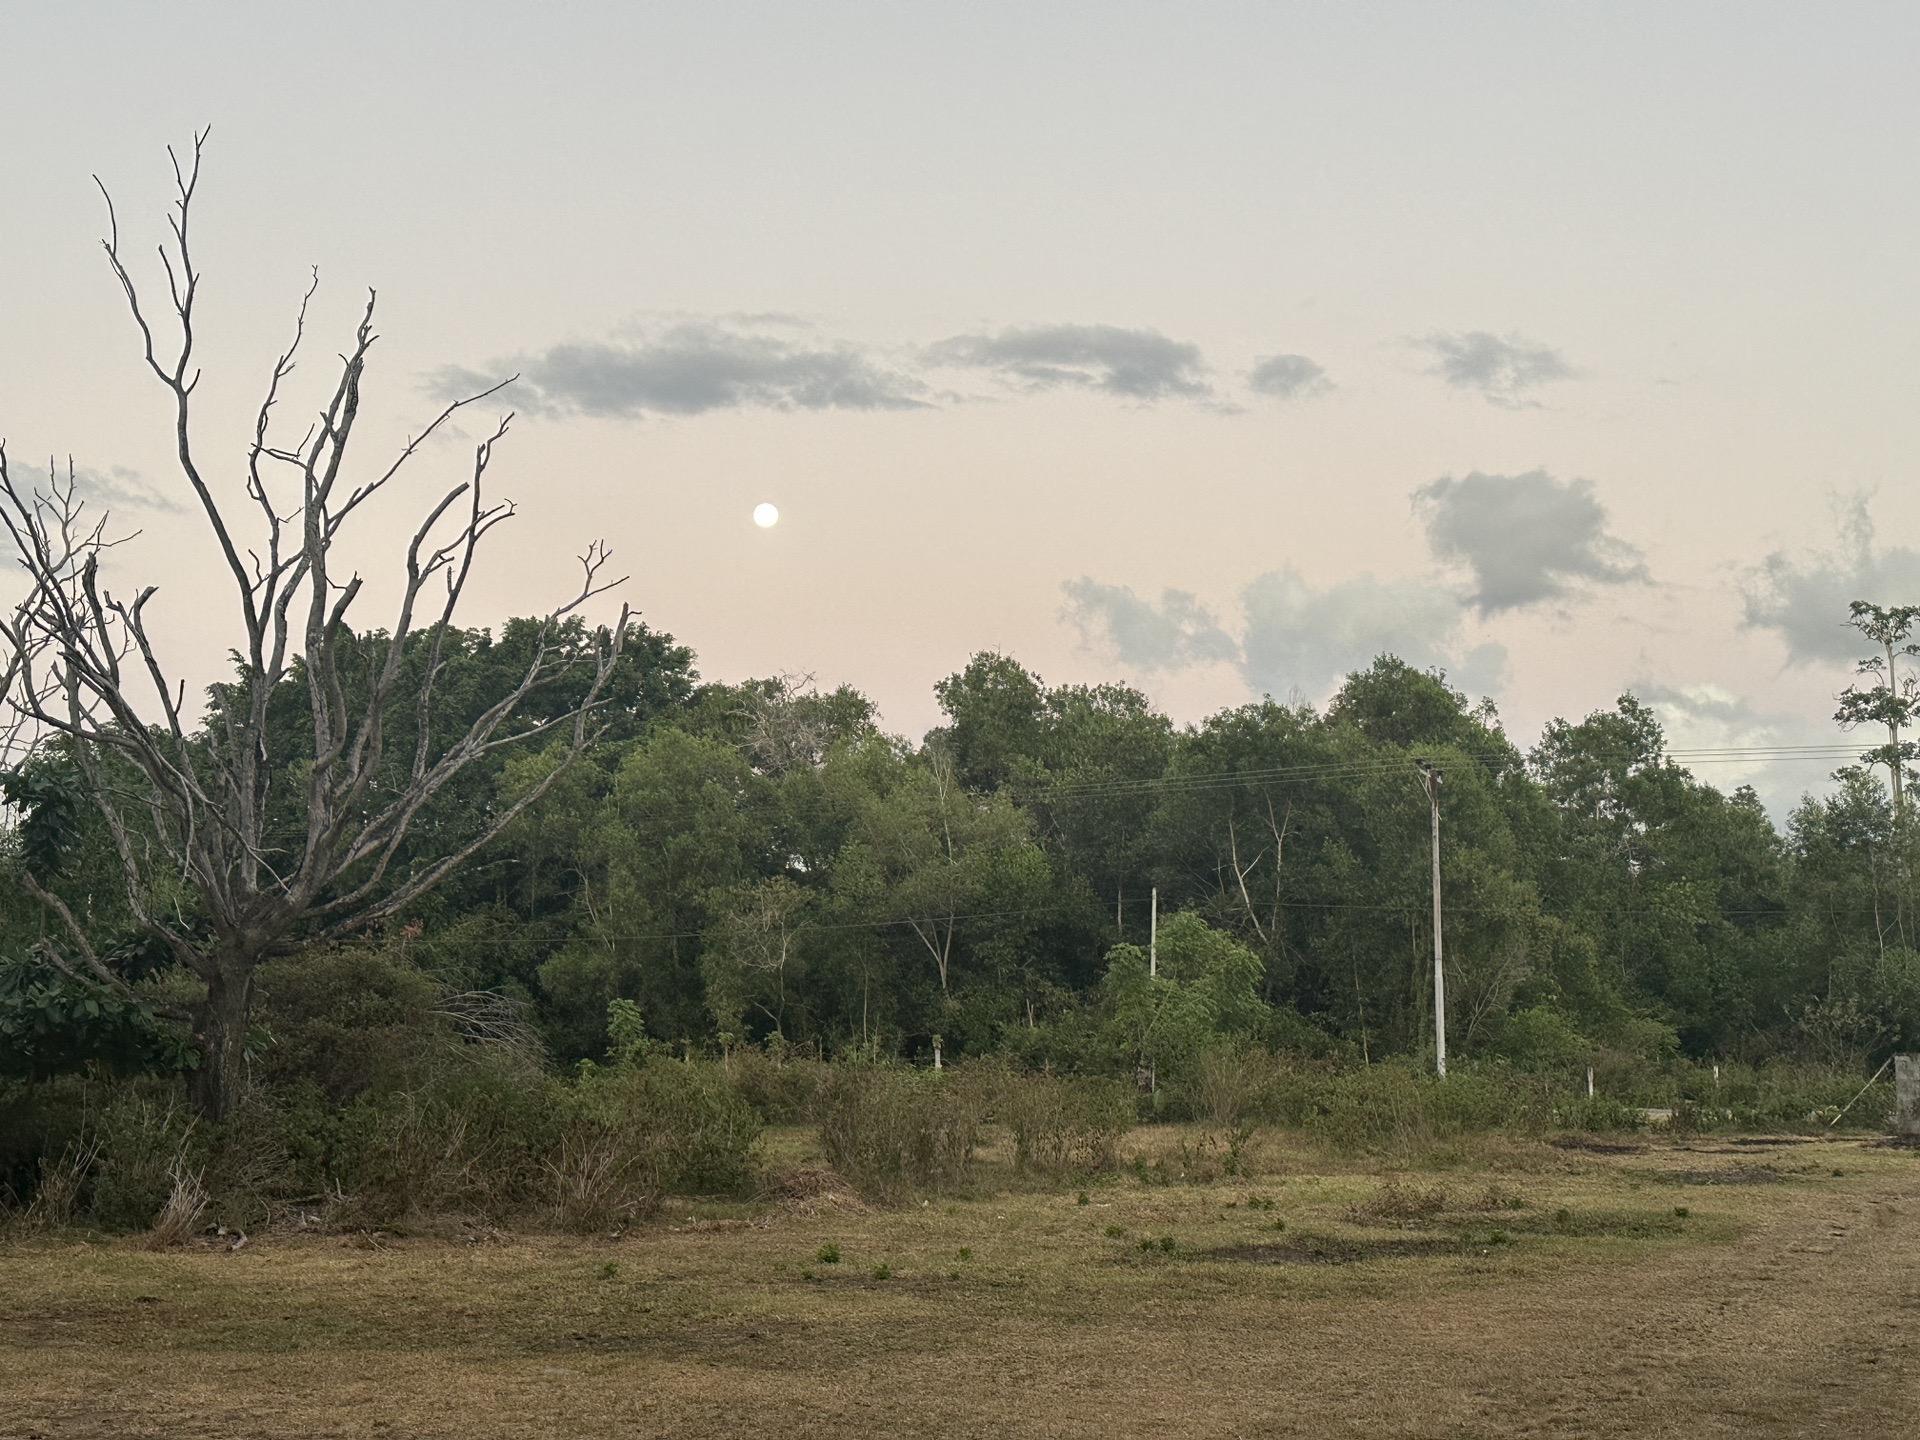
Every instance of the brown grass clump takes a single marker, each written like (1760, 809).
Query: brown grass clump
(179, 1218)
(816, 1189)
(1399, 1205)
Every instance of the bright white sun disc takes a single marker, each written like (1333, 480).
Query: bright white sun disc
(766, 516)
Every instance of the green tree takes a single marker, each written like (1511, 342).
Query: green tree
(1892, 698)
(1204, 989)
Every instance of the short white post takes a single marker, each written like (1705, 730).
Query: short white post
(1153, 935)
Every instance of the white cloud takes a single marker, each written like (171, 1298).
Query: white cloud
(1176, 633)
(1294, 636)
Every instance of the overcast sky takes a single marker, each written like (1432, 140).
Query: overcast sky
(1215, 347)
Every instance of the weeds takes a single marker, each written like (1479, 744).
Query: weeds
(1399, 1206)
(180, 1216)
(56, 1200)
(1063, 1125)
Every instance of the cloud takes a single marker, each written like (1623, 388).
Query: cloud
(123, 489)
(1705, 716)
(1300, 637)
(1294, 637)
(1708, 717)
(1527, 538)
(696, 366)
(1288, 377)
(1136, 364)
(1804, 597)
(1177, 633)
(1501, 368)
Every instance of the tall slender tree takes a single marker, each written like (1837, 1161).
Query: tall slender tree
(1892, 695)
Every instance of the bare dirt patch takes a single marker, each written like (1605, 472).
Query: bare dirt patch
(1339, 1250)
(1732, 1175)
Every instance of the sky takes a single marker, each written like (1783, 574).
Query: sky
(1212, 347)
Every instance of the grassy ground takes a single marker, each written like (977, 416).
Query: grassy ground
(1700, 1288)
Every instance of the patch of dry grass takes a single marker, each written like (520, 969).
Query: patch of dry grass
(1547, 1289)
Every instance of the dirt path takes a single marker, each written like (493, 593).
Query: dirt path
(1807, 1324)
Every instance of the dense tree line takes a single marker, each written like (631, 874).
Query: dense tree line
(762, 864)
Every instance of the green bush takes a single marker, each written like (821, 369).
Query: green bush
(347, 1020)
(1230, 1084)
(466, 1144)
(687, 1127)
(1540, 1038)
(1398, 1104)
(1063, 1125)
(889, 1129)
(145, 1139)
(783, 1088)
(588, 1154)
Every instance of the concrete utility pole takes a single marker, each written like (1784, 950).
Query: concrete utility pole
(1430, 778)
(1153, 935)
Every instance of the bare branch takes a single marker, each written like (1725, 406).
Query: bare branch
(208, 864)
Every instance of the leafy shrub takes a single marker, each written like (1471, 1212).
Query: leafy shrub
(146, 1140)
(783, 1088)
(1541, 1038)
(1598, 1112)
(688, 1129)
(590, 1154)
(347, 1020)
(1206, 991)
(1398, 1104)
(1063, 1124)
(470, 1143)
(1229, 1085)
(889, 1129)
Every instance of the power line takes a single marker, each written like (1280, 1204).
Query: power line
(1410, 906)
(1335, 770)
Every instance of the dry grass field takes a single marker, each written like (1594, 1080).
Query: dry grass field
(1704, 1287)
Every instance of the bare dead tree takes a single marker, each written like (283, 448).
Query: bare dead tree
(186, 801)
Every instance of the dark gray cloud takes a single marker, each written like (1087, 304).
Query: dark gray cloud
(122, 489)
(1804, 597)
(696, 366)
(1500, 368)
(1295, 638)
(1136, 364)
(1288, 377)
(1176, 633)
(1527, 538)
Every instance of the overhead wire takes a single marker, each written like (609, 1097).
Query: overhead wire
(1043, 789)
